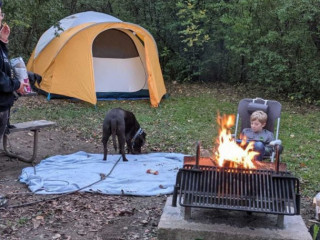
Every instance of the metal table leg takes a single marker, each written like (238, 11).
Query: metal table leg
(23, 159)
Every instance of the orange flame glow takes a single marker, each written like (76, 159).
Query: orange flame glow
(229, 150)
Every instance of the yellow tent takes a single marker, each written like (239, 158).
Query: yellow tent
(96, 54)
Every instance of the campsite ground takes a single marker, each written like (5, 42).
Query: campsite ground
(87, 215)
(76, 216)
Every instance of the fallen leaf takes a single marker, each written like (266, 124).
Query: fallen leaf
(40, 217)
(56, 236)
(144, 222)
(36, 223)
(82, 233)
(303, 165)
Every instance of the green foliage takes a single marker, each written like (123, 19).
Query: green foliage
(274, 45)
(194, 36)
(28, 19)
(271, 44)
(23, 220)
(316, 231)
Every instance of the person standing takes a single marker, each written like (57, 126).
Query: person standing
(8, 83)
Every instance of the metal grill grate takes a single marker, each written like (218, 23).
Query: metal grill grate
(248, 190)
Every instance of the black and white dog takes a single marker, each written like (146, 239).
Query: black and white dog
(124, 125)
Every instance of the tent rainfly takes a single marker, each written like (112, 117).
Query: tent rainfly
(95, 55)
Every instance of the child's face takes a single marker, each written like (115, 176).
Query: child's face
(257, 126)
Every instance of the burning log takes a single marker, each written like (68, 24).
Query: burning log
(205, 161)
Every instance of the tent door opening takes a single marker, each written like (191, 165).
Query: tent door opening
(119, 65)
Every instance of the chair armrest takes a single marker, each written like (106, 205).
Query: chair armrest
(277, 145)
(275, 142)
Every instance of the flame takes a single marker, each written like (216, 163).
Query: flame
(229, 150)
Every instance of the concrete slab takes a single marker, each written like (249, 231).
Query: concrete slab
(207, 224)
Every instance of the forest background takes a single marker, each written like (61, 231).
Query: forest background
(270, 44)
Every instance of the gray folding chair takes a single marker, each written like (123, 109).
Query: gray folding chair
(272, 108)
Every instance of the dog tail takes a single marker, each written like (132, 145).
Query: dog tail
(113, 132)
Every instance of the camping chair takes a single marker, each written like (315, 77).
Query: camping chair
(272, 108)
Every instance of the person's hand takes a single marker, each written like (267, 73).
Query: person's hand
(22, 88)
(4, 33)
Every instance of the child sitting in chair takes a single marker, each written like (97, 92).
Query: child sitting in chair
(257, 133)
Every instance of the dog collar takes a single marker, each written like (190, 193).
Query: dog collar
(138, 133)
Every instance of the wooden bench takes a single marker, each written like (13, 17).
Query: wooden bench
(33, 126)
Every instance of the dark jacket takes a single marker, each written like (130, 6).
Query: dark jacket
(8, 84)
(264, 136)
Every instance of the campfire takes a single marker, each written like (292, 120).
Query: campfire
(232, 180)
(229, 152)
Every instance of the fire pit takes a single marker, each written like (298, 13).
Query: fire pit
(237, 183)
(270, 189)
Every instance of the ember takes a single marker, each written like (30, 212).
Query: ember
(228, 150)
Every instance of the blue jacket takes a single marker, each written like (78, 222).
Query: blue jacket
(8, 83)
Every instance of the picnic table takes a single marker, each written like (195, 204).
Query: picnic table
(35, 127)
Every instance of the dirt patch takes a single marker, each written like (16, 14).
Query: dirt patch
(75, 216)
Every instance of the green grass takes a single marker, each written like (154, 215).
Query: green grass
(300, 134)
(187, 116)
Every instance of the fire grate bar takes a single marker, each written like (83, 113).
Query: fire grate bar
(238, 189)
